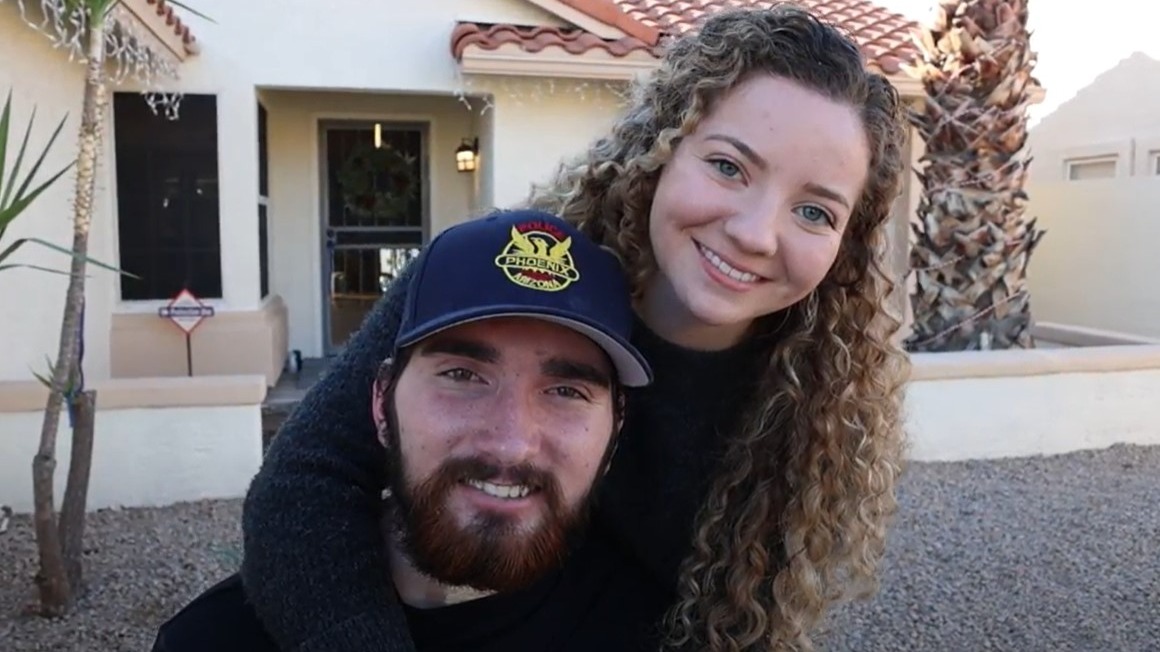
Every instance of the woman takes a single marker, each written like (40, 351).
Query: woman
(746, 190)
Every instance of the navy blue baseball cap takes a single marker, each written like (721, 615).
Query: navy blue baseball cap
(528, 264)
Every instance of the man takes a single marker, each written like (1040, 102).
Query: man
(499, 410)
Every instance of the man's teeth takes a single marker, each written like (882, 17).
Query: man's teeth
(727, 269)
(501, 490)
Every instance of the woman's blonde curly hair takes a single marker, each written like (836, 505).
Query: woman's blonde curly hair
(796, 516)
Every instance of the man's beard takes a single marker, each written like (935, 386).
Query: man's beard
(494, 552)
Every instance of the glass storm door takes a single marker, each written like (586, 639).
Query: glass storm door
(373, 217)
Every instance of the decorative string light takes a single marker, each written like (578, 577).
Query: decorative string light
(480, 91)
(132, 51)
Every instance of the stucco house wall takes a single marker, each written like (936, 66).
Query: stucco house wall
(302, 73)
(304, 64)
(1094, 184)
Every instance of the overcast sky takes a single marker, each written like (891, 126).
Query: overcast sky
(1075, 40)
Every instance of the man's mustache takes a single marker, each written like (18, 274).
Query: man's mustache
(481, 469)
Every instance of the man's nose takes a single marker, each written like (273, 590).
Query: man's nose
(513, 431)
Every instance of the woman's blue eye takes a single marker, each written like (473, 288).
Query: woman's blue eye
(816, 215)
(728, 168)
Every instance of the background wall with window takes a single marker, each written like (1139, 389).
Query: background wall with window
(1094, 185)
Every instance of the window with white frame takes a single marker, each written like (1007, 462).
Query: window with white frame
(1092, 167)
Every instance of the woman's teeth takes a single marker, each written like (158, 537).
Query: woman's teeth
(507, 491)
(725, 268)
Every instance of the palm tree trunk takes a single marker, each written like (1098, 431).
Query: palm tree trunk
(973, 241)
(52, 580)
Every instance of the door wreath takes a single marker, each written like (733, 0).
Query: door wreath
(378, 183)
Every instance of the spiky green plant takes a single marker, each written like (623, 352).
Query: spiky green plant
(17, 194)
(84, 27)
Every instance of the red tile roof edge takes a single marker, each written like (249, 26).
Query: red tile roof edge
(884, 51)
(165, 10)
(536, 39)
(576, 41)
(610, 13)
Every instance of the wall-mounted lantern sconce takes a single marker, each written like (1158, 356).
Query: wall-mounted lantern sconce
(467, 155)
(378, 136)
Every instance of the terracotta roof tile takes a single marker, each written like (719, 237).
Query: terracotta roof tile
(610, 12)
(165, 11)
(883, 35)
(535, 39)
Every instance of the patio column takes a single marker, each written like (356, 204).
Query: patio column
(238, 196)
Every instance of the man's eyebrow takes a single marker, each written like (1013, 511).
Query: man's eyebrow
(566, 369)
(461, 347)
(745, 150)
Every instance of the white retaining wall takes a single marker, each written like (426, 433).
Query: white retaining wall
(152, 454)
(1020, 403)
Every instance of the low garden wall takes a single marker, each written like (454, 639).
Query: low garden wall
(158, 440)
(990, 404)
(165, 440)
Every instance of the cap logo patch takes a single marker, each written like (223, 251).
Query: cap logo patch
(538, 258)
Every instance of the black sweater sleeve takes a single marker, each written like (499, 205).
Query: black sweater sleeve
(314, 564)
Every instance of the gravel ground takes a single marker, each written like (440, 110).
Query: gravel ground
(1047, 554)
(142, 565)
(1058, 554)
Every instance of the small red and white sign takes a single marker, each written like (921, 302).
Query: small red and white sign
(186, 310)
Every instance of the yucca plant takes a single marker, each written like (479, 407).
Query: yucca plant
(17, 194)
(973, 241)
(85, 27)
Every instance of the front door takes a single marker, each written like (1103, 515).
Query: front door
(373, 216)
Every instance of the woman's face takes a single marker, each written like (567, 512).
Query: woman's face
(749, 213)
